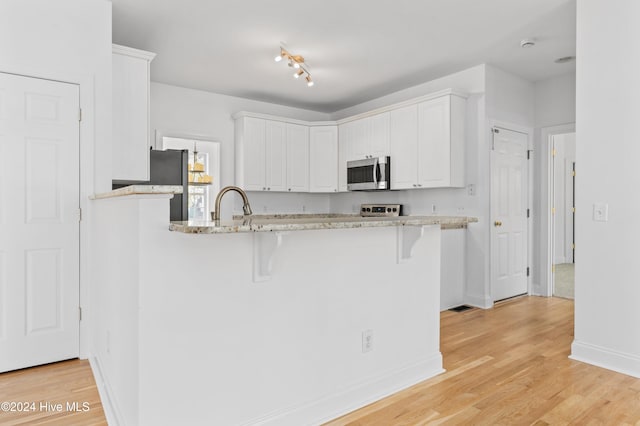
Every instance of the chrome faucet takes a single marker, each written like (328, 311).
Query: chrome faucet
(245, 207)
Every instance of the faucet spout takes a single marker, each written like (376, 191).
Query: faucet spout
(246, 207)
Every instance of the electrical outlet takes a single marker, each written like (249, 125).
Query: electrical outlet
(367, 341)
(304, 209)
(434, 210)
(460, 210)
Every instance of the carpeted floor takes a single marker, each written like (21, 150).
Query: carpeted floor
(564, 280)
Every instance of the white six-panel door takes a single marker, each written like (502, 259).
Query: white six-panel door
(39, 221)
(509, 214)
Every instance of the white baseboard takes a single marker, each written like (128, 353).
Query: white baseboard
(606, 358)
(357, 396)
(109, 406)
(478, 301)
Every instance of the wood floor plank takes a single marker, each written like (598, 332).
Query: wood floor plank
(66, 382)
(509, 365)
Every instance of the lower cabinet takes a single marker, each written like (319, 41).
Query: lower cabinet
(323, 159)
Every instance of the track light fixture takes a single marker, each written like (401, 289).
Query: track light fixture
(297, 62)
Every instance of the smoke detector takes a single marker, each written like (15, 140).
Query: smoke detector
(526, 43)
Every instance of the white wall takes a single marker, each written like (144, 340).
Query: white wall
(565, 145)
(607, 318)
(194, 112)
(555, 100)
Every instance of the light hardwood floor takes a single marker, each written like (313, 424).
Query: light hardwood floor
(509, 366)
(59, 383)
(505, 366)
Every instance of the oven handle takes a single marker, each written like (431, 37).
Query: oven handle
(375, 171)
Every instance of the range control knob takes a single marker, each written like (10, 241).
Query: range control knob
(364, 210)
(388, 209)
(395, 209)
(368, 209)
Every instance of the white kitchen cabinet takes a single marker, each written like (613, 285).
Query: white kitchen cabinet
(323, 159)
(275, 155)
(366, 137)
(130, 91)
(427, 144)
(250, 153)
(297, 158)
(403, 135)
(344, 155)
(271, 155)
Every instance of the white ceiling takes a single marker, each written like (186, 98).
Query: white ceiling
(356, 50)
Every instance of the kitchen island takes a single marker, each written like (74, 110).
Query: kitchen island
(266, 320)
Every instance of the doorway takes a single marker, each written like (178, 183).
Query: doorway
(563, 168)
(39, 221)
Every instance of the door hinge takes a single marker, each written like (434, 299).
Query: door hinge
(553, 269)
(573, 209)
(573, 173)
(79, 215)
(80, 114)
(528, 154)
(80, 312)
(528, 213)
(573, 246)
(554, 152)
(527, 271)
(495, 130)
(553, 210)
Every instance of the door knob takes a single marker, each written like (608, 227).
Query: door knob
(497, 223)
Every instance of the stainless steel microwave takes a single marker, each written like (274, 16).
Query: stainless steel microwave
(369, 174)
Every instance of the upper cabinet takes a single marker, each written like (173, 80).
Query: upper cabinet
(271, 155)
(427, 143)
(323, 159)
(131, 87)
(425, 138)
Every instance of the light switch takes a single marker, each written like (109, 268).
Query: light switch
(600, 212)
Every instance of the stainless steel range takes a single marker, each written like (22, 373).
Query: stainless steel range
(380, 210)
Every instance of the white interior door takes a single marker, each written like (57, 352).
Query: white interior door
(509, 234)
(39, 221)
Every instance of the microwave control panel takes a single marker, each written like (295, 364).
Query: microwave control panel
(380, 210)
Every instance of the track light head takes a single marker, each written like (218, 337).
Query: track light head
(298, 74)
(309, 81)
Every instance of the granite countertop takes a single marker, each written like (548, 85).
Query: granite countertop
(139, 190)
(300, 222)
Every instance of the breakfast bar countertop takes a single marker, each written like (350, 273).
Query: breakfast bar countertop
(301, 222)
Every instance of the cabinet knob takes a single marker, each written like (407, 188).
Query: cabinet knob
(289, 189)
(268, 189)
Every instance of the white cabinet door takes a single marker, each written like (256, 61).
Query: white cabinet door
(359, 139)
(345, 135)
(403, 139)
(275, 155)
(323, 159)
(251, 161)
(297, 158)
(378, 144)
(433, 143)
(130, 87)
